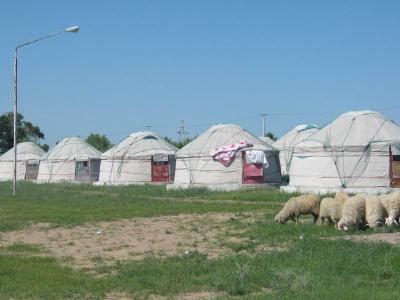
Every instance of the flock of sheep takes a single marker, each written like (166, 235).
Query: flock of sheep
(345, 211)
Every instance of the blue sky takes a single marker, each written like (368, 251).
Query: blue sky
(157, 62)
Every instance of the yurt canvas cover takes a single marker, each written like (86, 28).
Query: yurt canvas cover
(268, 140)
(357, 150)
(286, 144)
(70, 160)
(195, 165)
(28, 155)
(140, 158)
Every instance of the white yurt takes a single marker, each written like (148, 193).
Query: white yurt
(142, 157)
(226, 157)
(28, 155)
(286, 143)
(357, 152)
(72, 159)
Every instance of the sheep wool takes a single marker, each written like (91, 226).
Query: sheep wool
(325, 209)
(375, 212)
(341, 196)
(331, 208)
(302, 205)
(391, 203)
(353, 213)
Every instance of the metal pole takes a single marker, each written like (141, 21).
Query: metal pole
(15, 122)
(263, 124)
(70, 29)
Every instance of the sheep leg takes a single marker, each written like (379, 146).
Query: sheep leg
(297, 219)
(322, 220)
(315, 218)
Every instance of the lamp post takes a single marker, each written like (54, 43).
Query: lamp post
(69, 29)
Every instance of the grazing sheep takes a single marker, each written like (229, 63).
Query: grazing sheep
(325, 210)
(353, 213)
(302, 205)
(375, 212)
(331, 208)
(391, 203)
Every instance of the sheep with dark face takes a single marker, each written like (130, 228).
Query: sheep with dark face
(302, 205)
(353, 213)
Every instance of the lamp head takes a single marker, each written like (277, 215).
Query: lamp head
(72, 29)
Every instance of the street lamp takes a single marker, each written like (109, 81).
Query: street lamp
(69, 29)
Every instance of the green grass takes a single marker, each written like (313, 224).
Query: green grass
(72, 204)
(308, 267)
(311, 269)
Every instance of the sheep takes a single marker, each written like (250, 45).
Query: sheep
(375, 212)
(302, 205)
(342, 196)
(353, 213)
(331, 208)
(325, 210)
(391, 203)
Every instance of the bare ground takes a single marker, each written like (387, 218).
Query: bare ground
(388, 237)
(106, 242)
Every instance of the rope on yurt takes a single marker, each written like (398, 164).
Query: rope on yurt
(366, 150)
(342, 176)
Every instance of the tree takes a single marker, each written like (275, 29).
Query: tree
(45, 147)
(26, 131)
(271, 135)
(179, 144)
(100, 142)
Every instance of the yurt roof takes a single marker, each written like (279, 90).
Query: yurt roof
(25, 151)
(296, 135)
(357, 128)
(219, 135)
(140, 144)
(267, 140)
(72, 148)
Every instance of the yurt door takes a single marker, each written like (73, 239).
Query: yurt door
(252, 173)
(394, 169)
(82, 170)
(160, 168)
(32, 170)
(94, 167)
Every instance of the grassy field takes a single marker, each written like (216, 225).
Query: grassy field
(265, 261)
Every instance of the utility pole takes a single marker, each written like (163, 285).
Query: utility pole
(148, 127)
(182, 133)
(263, 123)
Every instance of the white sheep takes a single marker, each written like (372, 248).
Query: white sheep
(391, 203)
(325, 209)
(342, 196)
(331, 208)
(353, 213)
(302, 205)
(375, 212)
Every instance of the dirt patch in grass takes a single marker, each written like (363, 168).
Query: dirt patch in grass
(388, 237)
(103, 243)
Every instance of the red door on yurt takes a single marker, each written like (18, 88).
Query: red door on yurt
(159, 168)
(252, 173)
(394, 169)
